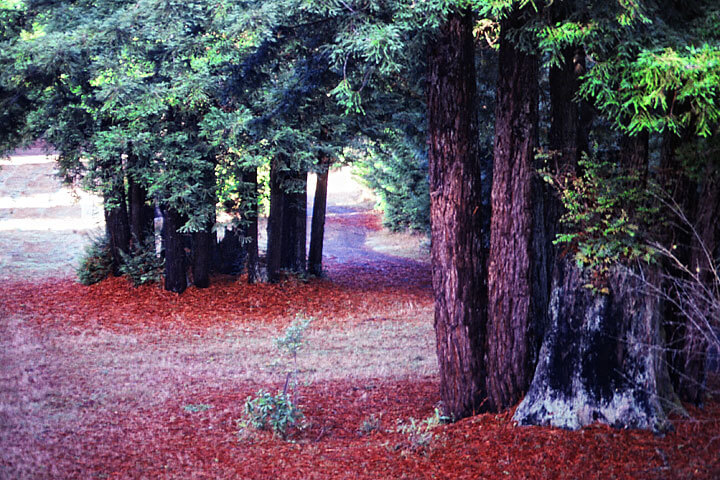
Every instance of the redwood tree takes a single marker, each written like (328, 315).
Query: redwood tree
(458, 260)
(512, 301)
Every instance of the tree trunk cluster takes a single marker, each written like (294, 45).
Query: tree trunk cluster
(518, 322)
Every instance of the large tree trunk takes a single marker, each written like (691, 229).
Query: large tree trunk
(275, 223)
(293, 255)
(250, 178)
(601, 358)
(678, 240)
(698, 328)
(230, 252)
(202, 248)
(175, 256)
(599, 361)
(513, 301)
(317, 231)
(458, 259)
(117, 226)
(141, 214)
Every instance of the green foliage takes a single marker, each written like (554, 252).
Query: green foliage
(278, 412)
(371, 423)
(397, 171)
(265, 411)
(143, 265)
(608, 213)
(96, 264)
(419, 433)
(195, 408)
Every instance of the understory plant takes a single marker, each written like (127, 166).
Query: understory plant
(96, 264)
(419, 435)
(143, 264)
(607, 213)
(279, 412)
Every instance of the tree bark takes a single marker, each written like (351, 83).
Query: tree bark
(141, 214)
(202, 248)
(275, 223)
(601, 359)
(458, 259)
(512, 296)
(692, 382)
(230, 252)
(175, 256)
(294, 246)
(117, 226)
(317, 231)
(678, 240)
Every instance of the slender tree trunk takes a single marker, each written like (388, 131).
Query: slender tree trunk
(117, 226)
(512, 299)
(275, 223)
(175, 256)
(317, 231)
(250, 177)
(458, 259)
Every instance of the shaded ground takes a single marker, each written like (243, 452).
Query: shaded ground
(109, 381)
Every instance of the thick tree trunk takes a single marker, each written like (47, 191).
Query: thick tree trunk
(677, 239)
(317, 231)
(230, 252)
(250, 177)
(141, 214)
(599, 361)
(275, 223)
(117, 226)
(512, 298)
(202, 248)
(458, 259)
(692, 382)
(175, 256)
(601, 358)
(294, 238)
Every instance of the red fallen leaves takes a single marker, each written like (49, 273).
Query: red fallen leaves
(171, 442)
(354, 292)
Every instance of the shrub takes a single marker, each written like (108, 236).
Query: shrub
(279, 412)
(271, 412)
(143, 265)
(419, 433)
(96, 264)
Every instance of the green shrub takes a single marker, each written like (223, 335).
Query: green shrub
(96, 264)
(419, 433)
(143, 265)
(270, 412)
(278, 412)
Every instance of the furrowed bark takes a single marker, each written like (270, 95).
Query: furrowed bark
(458, 259)
(175, 256)
(317, 230)
(511, 296)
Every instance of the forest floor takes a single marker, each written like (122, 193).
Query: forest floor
(110, 381)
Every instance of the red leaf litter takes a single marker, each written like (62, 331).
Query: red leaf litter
(170, 441)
